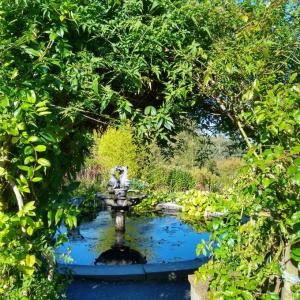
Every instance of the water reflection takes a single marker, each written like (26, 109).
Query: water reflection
(160, 239)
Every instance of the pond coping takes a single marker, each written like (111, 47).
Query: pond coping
(166, 271)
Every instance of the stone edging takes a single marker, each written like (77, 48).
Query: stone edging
(170, 271)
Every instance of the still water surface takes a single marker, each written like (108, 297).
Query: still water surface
(161, 239)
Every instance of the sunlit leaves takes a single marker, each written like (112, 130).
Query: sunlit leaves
(29, 137)
(28, 209)
(296, 178)
(30, 260)
(36, 179)
(150, 110)
(40, 148)
(272, 192)
(66, 65)
(32, 52)
(44, 162)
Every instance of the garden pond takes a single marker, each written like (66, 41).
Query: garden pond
(160, 239)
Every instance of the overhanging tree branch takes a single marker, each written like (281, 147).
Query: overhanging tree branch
(17, 193)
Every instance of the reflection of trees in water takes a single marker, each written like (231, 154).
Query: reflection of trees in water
(137, 236)
(106, 239)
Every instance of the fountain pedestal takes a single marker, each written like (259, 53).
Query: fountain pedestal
(120, 221)
(118, 202)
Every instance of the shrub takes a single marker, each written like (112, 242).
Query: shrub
(137, 185)
(206, 180)
(156, 177)
(116, 147)
(27, 261)
(229, 166)
(217, 174)
(180, 180)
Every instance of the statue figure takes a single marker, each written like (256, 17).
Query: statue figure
(113, 182)
(124, 182)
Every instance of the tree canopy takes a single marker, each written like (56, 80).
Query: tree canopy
(70, 66)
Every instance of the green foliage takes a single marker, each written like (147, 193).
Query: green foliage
(259, 217)
(90, 204)
(116, 147)
(27, 259)
(179, 180)
(23, 146)
(252, 79)
(137, 185)
(67, 66)
(167, 178)
(240, 70)
(128, 76)
(195, 204)
(147, 206)
(156, 176)
(217, 175)
(27, 255)
(250, 254)
(161, 165)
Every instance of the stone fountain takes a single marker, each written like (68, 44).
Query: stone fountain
(119, 203)
(168, 243)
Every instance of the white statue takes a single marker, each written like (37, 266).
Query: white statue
(113, 182)
(122, 182)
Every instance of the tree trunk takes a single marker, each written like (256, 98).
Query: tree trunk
(17, 194)
(290, 275)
